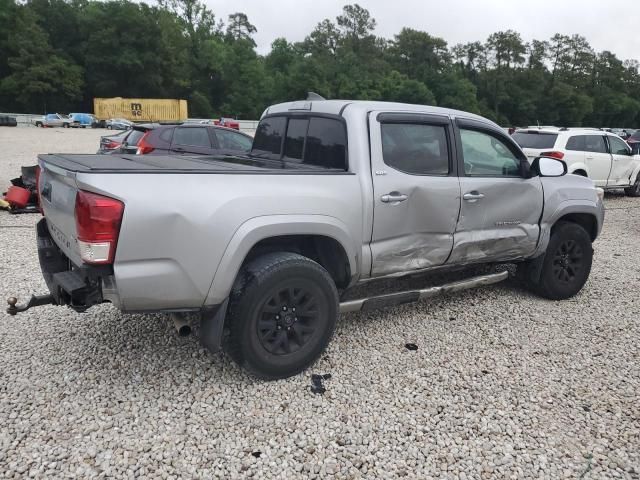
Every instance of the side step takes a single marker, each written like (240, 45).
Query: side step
(391, 299)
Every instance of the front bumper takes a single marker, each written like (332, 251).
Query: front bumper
(79, 287)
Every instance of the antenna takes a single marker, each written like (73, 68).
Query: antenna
(314, 96)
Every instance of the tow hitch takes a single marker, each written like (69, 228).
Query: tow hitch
(34, 301)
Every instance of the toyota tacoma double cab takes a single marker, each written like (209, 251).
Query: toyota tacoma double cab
(263, 247)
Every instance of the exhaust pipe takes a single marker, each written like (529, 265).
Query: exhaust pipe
(181, 324)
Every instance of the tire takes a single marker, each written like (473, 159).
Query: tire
(567, 262)
(268, 337)
(109, 127)
(38, 124)
(633, 190)
(65, 125)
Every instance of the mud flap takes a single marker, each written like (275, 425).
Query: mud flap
(212, 326)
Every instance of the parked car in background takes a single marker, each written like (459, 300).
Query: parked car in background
(333, 194)
(53, 120)
(118, 124)
(223, 122)
(192, 139)
(7, 121)
(111, 143)
(600, 155)
(129, 140)
(634, 142)
(82, 120)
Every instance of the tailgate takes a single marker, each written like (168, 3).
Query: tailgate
(58, 189)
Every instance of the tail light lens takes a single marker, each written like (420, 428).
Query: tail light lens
(111, 145)
(558, 155)
(98, 220)
(145, 147)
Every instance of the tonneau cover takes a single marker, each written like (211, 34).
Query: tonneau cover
(175, 164)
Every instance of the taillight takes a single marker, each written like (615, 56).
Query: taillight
(145, 147)
(98, 221)
(558, 155)
(111, 145)
(38, 172)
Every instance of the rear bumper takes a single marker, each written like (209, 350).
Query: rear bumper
(79, 287)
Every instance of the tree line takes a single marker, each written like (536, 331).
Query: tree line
(57, 55)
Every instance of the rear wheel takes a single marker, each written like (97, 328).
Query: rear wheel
(633, 190)
(567, 262)
(282, 314)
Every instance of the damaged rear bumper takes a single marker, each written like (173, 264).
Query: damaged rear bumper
(79, 287)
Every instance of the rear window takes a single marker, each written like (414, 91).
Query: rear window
(134, 137)
(296, 134)
(535, 140)
(326, 144)
(268, 138)
(317, 141)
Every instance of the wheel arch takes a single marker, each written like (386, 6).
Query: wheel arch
(324, 239)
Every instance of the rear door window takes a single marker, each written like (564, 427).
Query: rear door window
(326, 144)
(197, 137)
(536, 140)
(595, 144)
(269, 136)
(417, 149)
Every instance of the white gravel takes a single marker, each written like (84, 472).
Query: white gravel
(503, 384)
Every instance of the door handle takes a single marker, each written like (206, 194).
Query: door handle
(473, 196)
(393, 197)
(589, 158)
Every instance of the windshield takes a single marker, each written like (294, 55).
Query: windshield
(536, 140)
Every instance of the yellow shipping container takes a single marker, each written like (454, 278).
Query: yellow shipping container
(140, 109)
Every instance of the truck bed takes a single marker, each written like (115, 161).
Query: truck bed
(81, 163)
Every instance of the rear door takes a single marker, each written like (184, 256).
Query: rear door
(597, 158)
(500, 209)
(193, 140)
(623, 163)
(416, 191)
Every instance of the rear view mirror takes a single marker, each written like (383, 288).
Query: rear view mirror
(549, 167)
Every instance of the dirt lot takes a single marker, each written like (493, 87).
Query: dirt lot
(503, 384)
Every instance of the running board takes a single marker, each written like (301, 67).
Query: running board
(391, 299)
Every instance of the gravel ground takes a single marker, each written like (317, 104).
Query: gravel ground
(502, 385)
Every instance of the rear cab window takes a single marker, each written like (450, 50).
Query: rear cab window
(535, 140)
(316, 141)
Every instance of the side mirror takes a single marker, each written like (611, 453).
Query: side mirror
(549, 167)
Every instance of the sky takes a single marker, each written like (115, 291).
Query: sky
(610, 26)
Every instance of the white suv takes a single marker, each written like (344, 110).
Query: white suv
(602, 156)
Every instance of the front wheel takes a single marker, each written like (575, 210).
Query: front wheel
(282, 314)
(633, 190)
(567, 262)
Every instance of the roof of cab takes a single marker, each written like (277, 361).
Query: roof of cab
(337, 107)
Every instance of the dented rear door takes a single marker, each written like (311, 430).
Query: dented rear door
(416, 191)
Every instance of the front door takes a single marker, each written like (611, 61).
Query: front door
(623, 162)
(416, 191)
(500, 209)
(192, 140)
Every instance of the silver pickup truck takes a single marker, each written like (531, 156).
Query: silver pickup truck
(264, 246)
